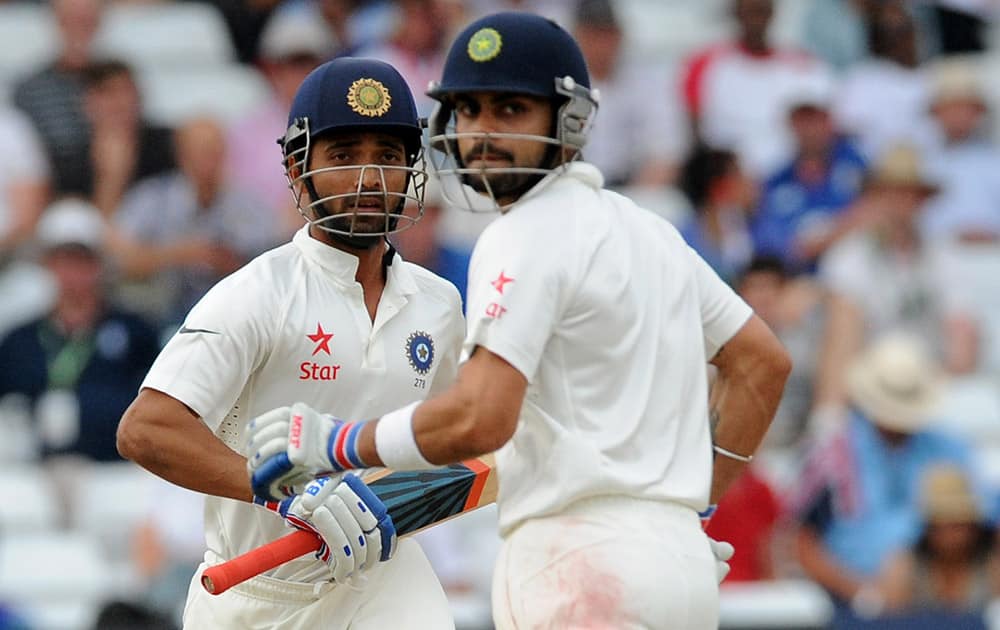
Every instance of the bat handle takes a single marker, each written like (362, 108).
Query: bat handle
(219, 578)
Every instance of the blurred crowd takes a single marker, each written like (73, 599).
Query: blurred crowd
(844, 180)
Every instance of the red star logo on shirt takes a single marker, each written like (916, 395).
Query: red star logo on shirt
(321, 339)
(501, 282)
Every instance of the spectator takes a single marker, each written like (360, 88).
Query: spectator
(24, 191)
(966, 164)
(637, 140)
(858, 501)
(185, 230)
(81, 364)
(737, 92)
(721, 195)
(885, 276)
(954, 565)
(804, 205)
(883, 101)
(168, 544)
(53, 97)
(123, 146)
(795, 309)
(416, 46)
(292, 44)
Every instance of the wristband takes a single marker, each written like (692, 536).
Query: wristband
(746, 459)
(707, 514)
(395, 443)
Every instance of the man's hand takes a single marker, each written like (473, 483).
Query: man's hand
(289, 446)
(356, 529)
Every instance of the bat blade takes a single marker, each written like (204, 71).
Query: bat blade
(415, 500)
(419, 499)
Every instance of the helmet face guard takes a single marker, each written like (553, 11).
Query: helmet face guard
(511, 53)
(349, 219)
(573, 120)
(353, 95)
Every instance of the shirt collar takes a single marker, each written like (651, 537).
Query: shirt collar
(343, 266)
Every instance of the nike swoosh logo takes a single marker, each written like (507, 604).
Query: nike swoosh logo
(185, 330)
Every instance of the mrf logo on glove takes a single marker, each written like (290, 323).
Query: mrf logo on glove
(295, 431)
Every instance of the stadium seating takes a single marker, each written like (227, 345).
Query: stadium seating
(172, 94)
(55, 580)
(30, 501)
(178, 34)
(774, 605)
(28, 37)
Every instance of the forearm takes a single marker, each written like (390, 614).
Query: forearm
(753, 368)
(475, 416)
(822, 568)
(179, 447)
(740, 415)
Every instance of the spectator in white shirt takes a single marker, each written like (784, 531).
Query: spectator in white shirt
(883, 101)
(737, 93)
(966, 163)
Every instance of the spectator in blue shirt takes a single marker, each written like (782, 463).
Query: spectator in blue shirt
(80, 365)
(859, 500)
(805, 206)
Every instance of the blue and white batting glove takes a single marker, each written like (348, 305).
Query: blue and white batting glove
(289, 446)
(354, 524)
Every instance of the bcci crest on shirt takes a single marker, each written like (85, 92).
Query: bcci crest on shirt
(420, 351)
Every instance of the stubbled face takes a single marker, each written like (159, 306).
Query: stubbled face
(488, 116)
(345, 171)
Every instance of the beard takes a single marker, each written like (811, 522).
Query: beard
(495, 179)
(367, 223)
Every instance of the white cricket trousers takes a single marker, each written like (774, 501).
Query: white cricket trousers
(609, 563)
(402, 593)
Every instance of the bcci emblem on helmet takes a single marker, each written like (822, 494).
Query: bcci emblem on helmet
(420, 351)
(485, 44)
(369, 97)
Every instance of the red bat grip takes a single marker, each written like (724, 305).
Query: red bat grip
(221, 577)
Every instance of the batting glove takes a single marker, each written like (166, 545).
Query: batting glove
(289, 446)
(355, 527)
(722, 551)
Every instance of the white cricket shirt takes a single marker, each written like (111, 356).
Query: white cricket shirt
(292, 326)
(611, 317)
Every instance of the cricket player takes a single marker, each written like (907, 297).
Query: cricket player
(591, 324)
(335, 318)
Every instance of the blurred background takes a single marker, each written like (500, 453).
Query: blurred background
(836, 161)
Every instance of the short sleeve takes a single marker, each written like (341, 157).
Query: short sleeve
(223, 340)
(723, 312)
(517, 282)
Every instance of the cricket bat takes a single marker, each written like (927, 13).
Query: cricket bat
(415, 500)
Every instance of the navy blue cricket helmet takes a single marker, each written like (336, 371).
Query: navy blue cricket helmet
(344, 95)
(514, 53)
(356, 93)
